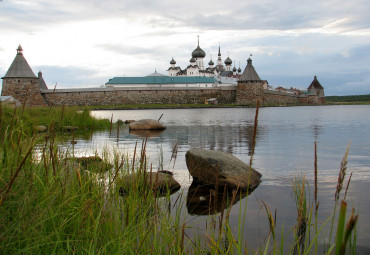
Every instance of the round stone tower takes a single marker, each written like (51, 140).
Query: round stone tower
(21, 83)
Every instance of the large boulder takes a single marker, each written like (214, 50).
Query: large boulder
(220, 168)
(160, 182)
(146, 124)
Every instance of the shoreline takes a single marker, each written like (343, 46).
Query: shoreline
(197, 106)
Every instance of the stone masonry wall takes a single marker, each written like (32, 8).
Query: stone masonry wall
(275, 97)
(138, 96)
(26, 90)
(249, 92)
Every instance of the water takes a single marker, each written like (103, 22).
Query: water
(284, 149)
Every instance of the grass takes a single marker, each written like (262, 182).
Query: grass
(54, 204)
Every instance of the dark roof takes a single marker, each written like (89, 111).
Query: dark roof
(228, 61)
(19, 68)
(174, 68)
(198, 52)
(172, 62)
(315, 83)
(226, 73)
(249, 73)
(42, 83)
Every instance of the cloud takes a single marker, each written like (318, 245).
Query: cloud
(70, 77)
(128, 49)
(84, 43)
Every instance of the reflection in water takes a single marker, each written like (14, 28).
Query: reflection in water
(206, 200)
(146, 133)
(215, 137)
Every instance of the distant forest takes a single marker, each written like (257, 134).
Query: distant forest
(358, 98)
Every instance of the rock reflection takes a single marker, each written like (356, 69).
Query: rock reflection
(146, 133)
(205, 200)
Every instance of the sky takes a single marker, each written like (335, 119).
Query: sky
(84, 43)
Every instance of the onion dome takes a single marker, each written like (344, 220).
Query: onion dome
(234, 69)
(192, 60)
(228, 61)
(239, 70)
(211, 63)
(173, 62)
(198, 52)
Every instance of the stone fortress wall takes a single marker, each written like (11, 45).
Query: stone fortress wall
(21, 83)
(122, 96)
(241, 94)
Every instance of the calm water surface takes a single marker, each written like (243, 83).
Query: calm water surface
(284, 150)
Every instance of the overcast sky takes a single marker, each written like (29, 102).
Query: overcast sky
(84, 43)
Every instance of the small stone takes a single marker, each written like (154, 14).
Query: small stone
(161, 182)
(40, 128)
(129, 121)
(70, 128)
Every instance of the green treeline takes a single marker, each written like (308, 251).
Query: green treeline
(348, 99)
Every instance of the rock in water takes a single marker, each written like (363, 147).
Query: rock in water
(146, 124)
(216, 167)
(40, 128)
(129, 121)
(160, 182)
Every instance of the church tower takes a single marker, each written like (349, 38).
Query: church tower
(21, 83)
(198, 54)
(220, 66)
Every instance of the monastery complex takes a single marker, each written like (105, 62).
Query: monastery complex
(195, 84)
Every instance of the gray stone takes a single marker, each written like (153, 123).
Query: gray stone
(146, 124)
(160, 182)
(129, 121)
(220, 168)
(70, 128)
(40, 128)
(119, 122)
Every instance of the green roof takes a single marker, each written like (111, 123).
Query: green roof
(161, 80)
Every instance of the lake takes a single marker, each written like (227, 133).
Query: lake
(284, 150)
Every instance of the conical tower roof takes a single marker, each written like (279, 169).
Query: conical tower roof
(19, 68)
(42, 83)
(315, 83)
(249, 73)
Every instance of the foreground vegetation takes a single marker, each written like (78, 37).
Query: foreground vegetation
(51, 204)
